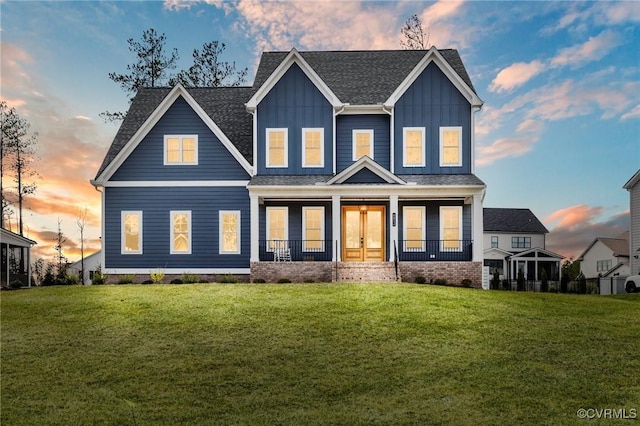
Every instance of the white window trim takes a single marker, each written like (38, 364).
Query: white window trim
(423, 214)
(122, 233)
(221, 214)
(189, 234)
(304, 146)
(442, 209)
(286, 147)
(268, 229)
(354, 142)
(181, 163)
(304, 230)
(442, 130)
(404, 146)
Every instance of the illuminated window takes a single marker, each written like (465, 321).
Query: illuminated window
(362, 144)
(414, 227)
(131, 232)
(312, 148)
(179, 150)
(180, 232)
(450, 146)
(414, 149)
(450, 228)
(277, 227)
(229, 232)
(313, 228)
(277, 148)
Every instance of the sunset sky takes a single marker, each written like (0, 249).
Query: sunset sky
(559, 132)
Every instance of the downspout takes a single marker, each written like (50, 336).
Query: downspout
(334, 135)
(392, 167)
(100, 188)
(254, 115)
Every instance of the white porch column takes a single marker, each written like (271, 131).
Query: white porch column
(255, 227)
(335, 226)
(478, 229)
(394, 219)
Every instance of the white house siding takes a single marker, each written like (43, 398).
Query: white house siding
(599, 251)
(504, 241)
(91, 264)
(634, 231)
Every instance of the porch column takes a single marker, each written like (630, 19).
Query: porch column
(255, 227)
(335, 227)
(393, 230)
(478, 229)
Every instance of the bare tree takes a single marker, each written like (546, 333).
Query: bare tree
(62, 260)
(81, 221)
(208, 70)
(415, 36)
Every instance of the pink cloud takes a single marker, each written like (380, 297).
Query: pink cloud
(515, 75)
(591, 50)
(502, 148)
(570, 217)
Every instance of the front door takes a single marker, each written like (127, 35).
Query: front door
(363, 233)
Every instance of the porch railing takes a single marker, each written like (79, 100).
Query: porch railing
(296, 250)
(435, 250)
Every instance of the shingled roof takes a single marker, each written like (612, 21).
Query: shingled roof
(521, 221)
(366, 77)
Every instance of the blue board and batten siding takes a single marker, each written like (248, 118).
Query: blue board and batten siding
(346, 124)
(156, 205)
(295, 103)
(432, 101)
(146, 162)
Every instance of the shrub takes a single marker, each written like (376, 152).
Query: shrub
(126, 279)
(259, 281)
(440, 281)
(495, 281)
(420, 279)
(466, 283)
(506, 285)
(228, 279)
(188, 278)
(156, 276)
(520, 281)
(544, 285)
(71, 279)
(582, 285)
(148, 282)
(99, 277)
(284, 281)
(15, 284)
(176, 281)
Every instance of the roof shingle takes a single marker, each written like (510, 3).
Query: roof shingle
(512, 220)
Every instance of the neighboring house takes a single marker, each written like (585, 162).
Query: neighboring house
(91, 264)
(514, 240)
(337, 161)
(606, 257)
(15, 263)
(633, 186)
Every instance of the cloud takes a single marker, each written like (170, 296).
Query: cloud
(633, 113)
(515, 76)
(502, 148)
(594, 49)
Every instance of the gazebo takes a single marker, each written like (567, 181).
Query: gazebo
(15, 251)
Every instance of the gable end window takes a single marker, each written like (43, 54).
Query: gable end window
(180, 232)
(450, 146)
(362, 144)
(313, 147)
(180, 150)
(277, 148)
(494, 241)
(229, 238)
(131, 225)
(414, 147)
(603, 265)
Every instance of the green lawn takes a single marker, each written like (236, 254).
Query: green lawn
(314, 354)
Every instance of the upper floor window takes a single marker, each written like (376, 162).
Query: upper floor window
(313, 228)
(451, 228)
(180, 149)
(362, 144)
(277, 152)
(313, 147)
(521, 242)
(494, 241)
(229, 238)
(180, 232)
(414, 147)
(414, 228)
(603, 265)
(450, 146)
(131, 232)
(277, 228)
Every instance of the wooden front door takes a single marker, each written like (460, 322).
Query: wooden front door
(363, 233)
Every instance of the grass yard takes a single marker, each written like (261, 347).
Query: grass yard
(314, 354)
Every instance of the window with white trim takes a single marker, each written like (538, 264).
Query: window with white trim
(277, 148)
(450, 146)
(603, 265)
(450, 228)
(180, 232)
(521, 242)
(229, 226)
(494, 241)
(413, 146)
(414, 228)
(131, 225)
(362, 144)
(313, 147)
(277, 227)
(180, 150)
(313, 228)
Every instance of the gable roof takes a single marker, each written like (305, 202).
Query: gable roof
(361, 77)
(11, 238)
(368, 164)
(512, 221)
(633, 181)
(618, 246)
(233, 120)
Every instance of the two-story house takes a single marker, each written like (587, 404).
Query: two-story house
(514, 241)
(332, 166)
(633, 186)
(606, 257)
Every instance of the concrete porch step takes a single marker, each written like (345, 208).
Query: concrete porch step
(367, 272)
